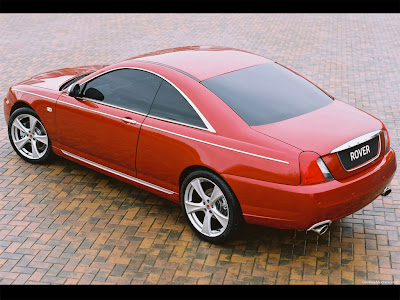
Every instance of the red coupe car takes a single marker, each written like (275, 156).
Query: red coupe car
(232, 136)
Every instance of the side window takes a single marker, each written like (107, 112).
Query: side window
(171, 105)
(125, 88)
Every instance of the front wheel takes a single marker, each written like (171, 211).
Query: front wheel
(28, 136)
(210, 206)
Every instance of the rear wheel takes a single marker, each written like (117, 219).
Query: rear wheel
(28, 136)
(210, 206)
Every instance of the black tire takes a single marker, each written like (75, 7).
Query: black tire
(234, 213)
(47, 153)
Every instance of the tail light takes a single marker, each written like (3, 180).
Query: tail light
(387, 140)
(313, 169)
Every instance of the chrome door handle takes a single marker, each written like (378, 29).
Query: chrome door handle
(129, 120)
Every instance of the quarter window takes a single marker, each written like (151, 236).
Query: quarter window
(125, 88)
(169, 104)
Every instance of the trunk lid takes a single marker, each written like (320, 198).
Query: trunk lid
(323, 130)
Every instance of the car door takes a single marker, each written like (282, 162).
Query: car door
(103, 125)
(163, 152)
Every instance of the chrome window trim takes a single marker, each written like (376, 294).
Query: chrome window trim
(140, 113)
(367, 162)
(358, 140)
(156, 187)
(113, 106)
(163, 130)
(92, 110)
(205, 121)
(176, 122)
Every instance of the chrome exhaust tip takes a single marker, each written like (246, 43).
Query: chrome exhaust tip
(320, 227)
(386, 191)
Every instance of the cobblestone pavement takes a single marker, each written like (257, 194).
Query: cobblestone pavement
(63, 223)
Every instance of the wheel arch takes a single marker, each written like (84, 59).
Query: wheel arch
(193, 168)
(20, 104)
(237, 220)
(41, 157)
(41, 106)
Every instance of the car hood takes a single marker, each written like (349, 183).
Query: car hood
(54, 79)
(324, 129)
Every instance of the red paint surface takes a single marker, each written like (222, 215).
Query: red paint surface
(269, 192)
(204, 62)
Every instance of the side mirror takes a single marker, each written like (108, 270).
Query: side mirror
(74, 90)
(95, 94)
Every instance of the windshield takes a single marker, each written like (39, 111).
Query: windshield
(267, 93)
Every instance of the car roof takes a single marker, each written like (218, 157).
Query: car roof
(203, 62)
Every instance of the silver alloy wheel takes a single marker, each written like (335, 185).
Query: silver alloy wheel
(206, 207)
(29, 136)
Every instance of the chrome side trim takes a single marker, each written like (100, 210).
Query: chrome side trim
(140, 113)
(163, 130)
(356, 141)
(156, 187)
(216, 145)
(176, 122)
(54, 99)
(113, 106)
(129, 110)
(95, 111)
(205, 121)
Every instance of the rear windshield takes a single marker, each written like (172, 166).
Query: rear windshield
(267, 93)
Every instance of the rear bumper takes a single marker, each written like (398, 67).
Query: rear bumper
(299, 207)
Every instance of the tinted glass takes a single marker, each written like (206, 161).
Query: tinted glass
(171, 105)
(126, 88)
(267, 93)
